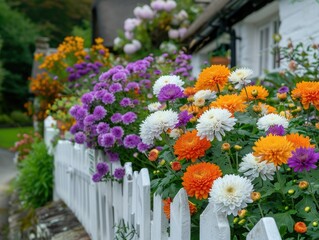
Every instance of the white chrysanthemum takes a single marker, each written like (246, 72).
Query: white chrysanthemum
(153, 107)
(167, 79)
(214, 122)
(252, 167)
(231, 193)
(271, 119)
(206, 94)
(199, 102)
(153, 126)
(240, 77)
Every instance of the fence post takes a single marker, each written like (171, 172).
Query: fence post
(213, 225)
(265, 229)
(180, 217)
(159, 222)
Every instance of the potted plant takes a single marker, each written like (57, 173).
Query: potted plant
(220, 56)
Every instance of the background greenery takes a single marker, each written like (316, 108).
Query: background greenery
(8, 136)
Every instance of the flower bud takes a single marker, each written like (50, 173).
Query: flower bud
(254, 93)
(230, 88)
(307, 209)
(315, 224)
(286, 208)
(242, 213)
(303, 185)
(317, 125)
(288, 169)
(255, 196)
(237, 147)
(291, 191)
(225, 146)
(176, 166)
(153, 155)
(162, 162)
(291, 105)
(282, 96)
(190, 99)
(256, 109)
(236, 219)
(193, 119)
(242, 222)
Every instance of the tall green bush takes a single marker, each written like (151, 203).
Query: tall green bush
(35, 180)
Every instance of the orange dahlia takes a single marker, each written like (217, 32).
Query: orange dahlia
(213, 78)
(167, 207)
(198, 179)
(231, 102)
(299, 140)
(308, 93)
(190, 147)
(189, 91)
(275, 149)
(254, 92)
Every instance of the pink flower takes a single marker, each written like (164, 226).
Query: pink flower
(144, 12)
(170, 5)
(182, 32)
(173, 34)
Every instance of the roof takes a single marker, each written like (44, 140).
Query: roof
(219, 17)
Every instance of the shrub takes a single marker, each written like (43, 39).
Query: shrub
(5, 120)
(20, 118)
(35, 181)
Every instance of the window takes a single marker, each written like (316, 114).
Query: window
(268, 56)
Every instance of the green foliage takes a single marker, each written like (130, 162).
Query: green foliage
(55, 18)
(20, 118)
(8, 136)
(5, 120)
(35, 181)
(84, 31)
(18, 36)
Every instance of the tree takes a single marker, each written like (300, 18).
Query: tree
(56, 18)
(18, 35)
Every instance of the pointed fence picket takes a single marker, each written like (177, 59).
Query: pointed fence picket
(123, 210)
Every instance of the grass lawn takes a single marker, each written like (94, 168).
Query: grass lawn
(8, 136)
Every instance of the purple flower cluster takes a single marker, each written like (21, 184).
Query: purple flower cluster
(183, 118)
(119, 173)
(283, 89)
(102, 169)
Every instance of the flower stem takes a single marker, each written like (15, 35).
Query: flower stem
(280, 182)
(237, 166)
(246, 92)
(260, 209)
(310, 190)
(218, 88)
(230, 164)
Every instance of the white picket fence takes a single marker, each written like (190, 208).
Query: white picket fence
(101, 207)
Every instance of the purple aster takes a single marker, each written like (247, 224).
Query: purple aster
(89, 120)
(119, 76)
(170, 92)
(303, 159)
(73, 110)
(99, 112)
(102, 168)
(74, 129)
(102, 128)
(136, 102)
(113, 157)
(183, 118)
(132, 86)
(107, 140)
(87, 98)
(283, 89)
(277, 130)
(115, 87)
(142, 147)
(125, 102)
(116, 118)
(146, 83)
(118, 132)
(119, 173)
(157, 72)
(79, 137)
(99, 94)
(108, 98)
(97, 177)
(131, 141)
(129, 117)
(100, 86)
